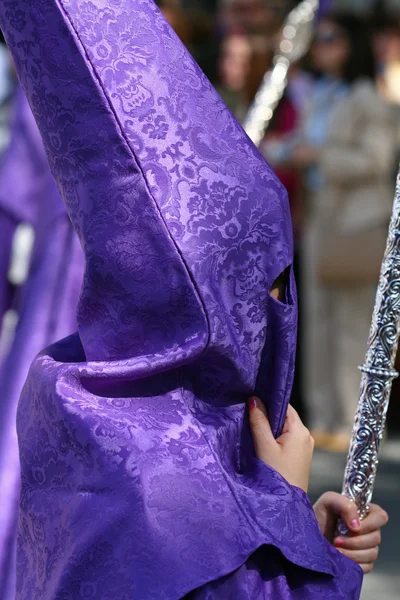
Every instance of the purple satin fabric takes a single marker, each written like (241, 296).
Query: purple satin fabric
(16, 204)
(47, 308)
(138, 472)
(8, 225)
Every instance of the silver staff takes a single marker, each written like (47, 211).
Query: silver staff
(378, 374)
(297, 35)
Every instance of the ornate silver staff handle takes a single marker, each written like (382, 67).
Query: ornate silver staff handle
(297, 35)
(378, 374)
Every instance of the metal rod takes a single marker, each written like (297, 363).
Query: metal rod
(378, 373)
(297, 35)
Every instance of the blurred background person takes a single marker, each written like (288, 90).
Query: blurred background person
(234, 71)
(283, 127)
(261, 21)
(386, 44)
(256, 16)
(7, 83)
(177, 18)
(347, 151)
(7, 222)
(344, 148)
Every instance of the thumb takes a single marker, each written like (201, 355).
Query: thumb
(260, 427)
(352, 519)
(346, 510)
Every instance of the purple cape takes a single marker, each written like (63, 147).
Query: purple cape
(8, 226)
(47, 310)
(138, 472)
(16, 205)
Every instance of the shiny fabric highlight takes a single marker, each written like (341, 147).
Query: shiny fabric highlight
(138, 472)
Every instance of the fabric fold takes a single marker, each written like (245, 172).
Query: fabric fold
(136, 455)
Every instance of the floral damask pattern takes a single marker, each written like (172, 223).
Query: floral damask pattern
(142, 482)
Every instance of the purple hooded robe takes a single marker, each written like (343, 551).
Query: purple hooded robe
(139, 479)
(14, 207)
(47, 308)
(8, 226)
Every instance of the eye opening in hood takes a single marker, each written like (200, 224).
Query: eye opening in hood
(281, 288)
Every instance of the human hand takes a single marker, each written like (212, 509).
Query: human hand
(362, 542)
(291, 454)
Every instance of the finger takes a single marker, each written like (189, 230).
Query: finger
(259, 425)
(292, 420)
(362, 556)
(367, 568)
(286, 426)
(289, 419)
(292, 414)
(257, 403)
(345, 509)
(349, 514)
(376, 519)
(359, 542)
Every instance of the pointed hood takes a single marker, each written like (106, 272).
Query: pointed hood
(185, 229)
(157, 176)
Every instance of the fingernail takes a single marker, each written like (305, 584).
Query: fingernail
(355, 523)
(252, 403)
(339, 542)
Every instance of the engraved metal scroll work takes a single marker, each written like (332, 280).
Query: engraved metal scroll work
(297, 35)
(378, 373)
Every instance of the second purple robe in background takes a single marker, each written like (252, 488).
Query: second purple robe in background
(47, 306)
